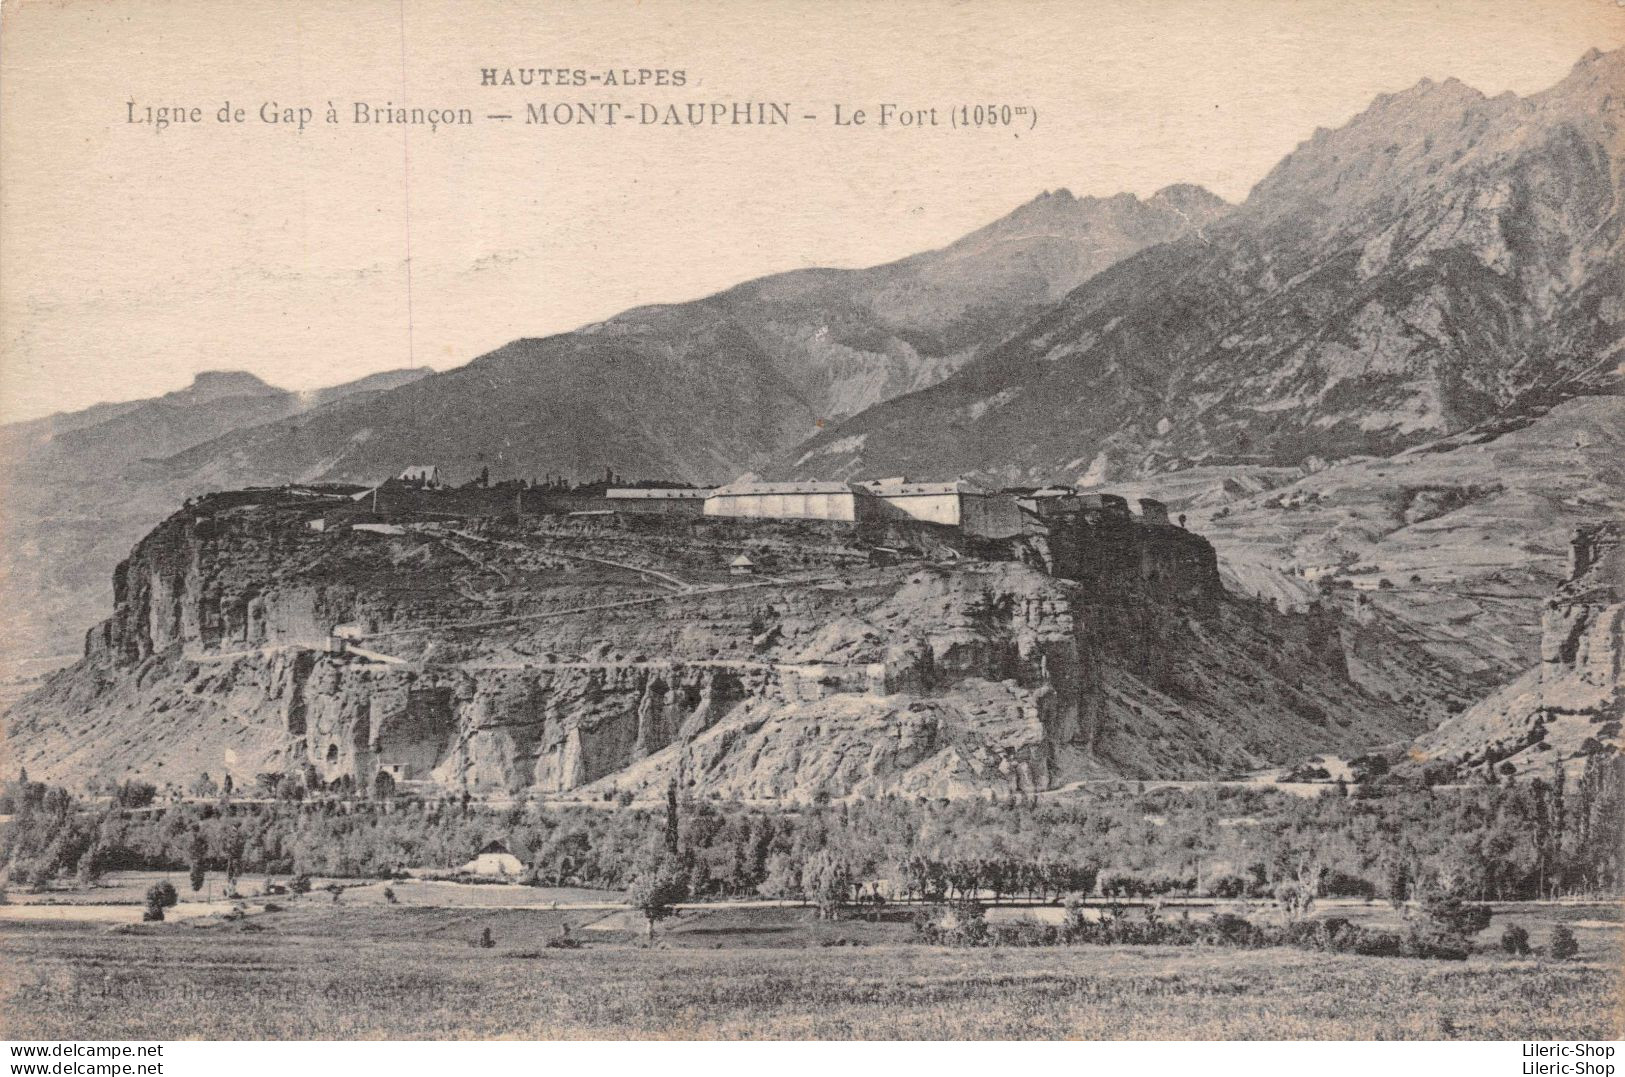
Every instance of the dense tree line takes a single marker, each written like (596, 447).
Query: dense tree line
(1536, 837)
(1443, 927)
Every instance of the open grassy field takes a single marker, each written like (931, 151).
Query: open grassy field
(370, 970)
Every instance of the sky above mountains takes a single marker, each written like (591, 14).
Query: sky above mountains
(136, 258)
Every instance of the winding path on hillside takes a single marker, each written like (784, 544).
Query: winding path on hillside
(663, 577)
(695, 591)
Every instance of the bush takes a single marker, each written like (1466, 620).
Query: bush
(1342, 884)
(161, 896)
(34, 876)
(1377, 943)
(1331, 935)
(134, 794)
(1074, 918)
(1424, 940)
(1336, 935)
(1563, 945)
(1024, 933)
(299, 884)
(960, 923)
(1227, 886)
(1515, 940)
(1118, 927)
(1228, 929)
(1449, 914)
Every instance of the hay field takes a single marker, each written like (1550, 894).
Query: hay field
(369, 970)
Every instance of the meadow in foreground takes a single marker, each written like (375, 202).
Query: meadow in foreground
(413, 973)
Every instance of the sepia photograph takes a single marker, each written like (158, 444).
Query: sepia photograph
(955, 520)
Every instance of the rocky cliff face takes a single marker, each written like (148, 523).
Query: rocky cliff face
(571, 656)
(79, 489)
(1583, 646)
(1569, 705)
(1580, 649)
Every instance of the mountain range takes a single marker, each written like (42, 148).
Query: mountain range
(703, 390)
(1442, 259)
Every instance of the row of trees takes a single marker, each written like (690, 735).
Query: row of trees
(1541, 838)
(1442, 926)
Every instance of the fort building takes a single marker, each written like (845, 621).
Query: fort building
(659, 493)
(793, 501)
(1153, 511)
(1099, 508)
(1048, 502)
(420, 497)
(934, 502)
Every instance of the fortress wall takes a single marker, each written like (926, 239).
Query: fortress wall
(931, 508)
(788, 506)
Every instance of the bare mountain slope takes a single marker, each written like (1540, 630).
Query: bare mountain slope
(1436, 261)
(1454, 544)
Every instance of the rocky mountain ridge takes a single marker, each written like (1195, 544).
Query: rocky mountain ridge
(702, 391)
(1441, 260)
(1385, 383)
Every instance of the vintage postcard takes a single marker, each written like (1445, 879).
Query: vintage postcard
(803, 520)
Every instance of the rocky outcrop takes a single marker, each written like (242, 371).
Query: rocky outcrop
(1569, 706)
(1580, 645)
(540, 658)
